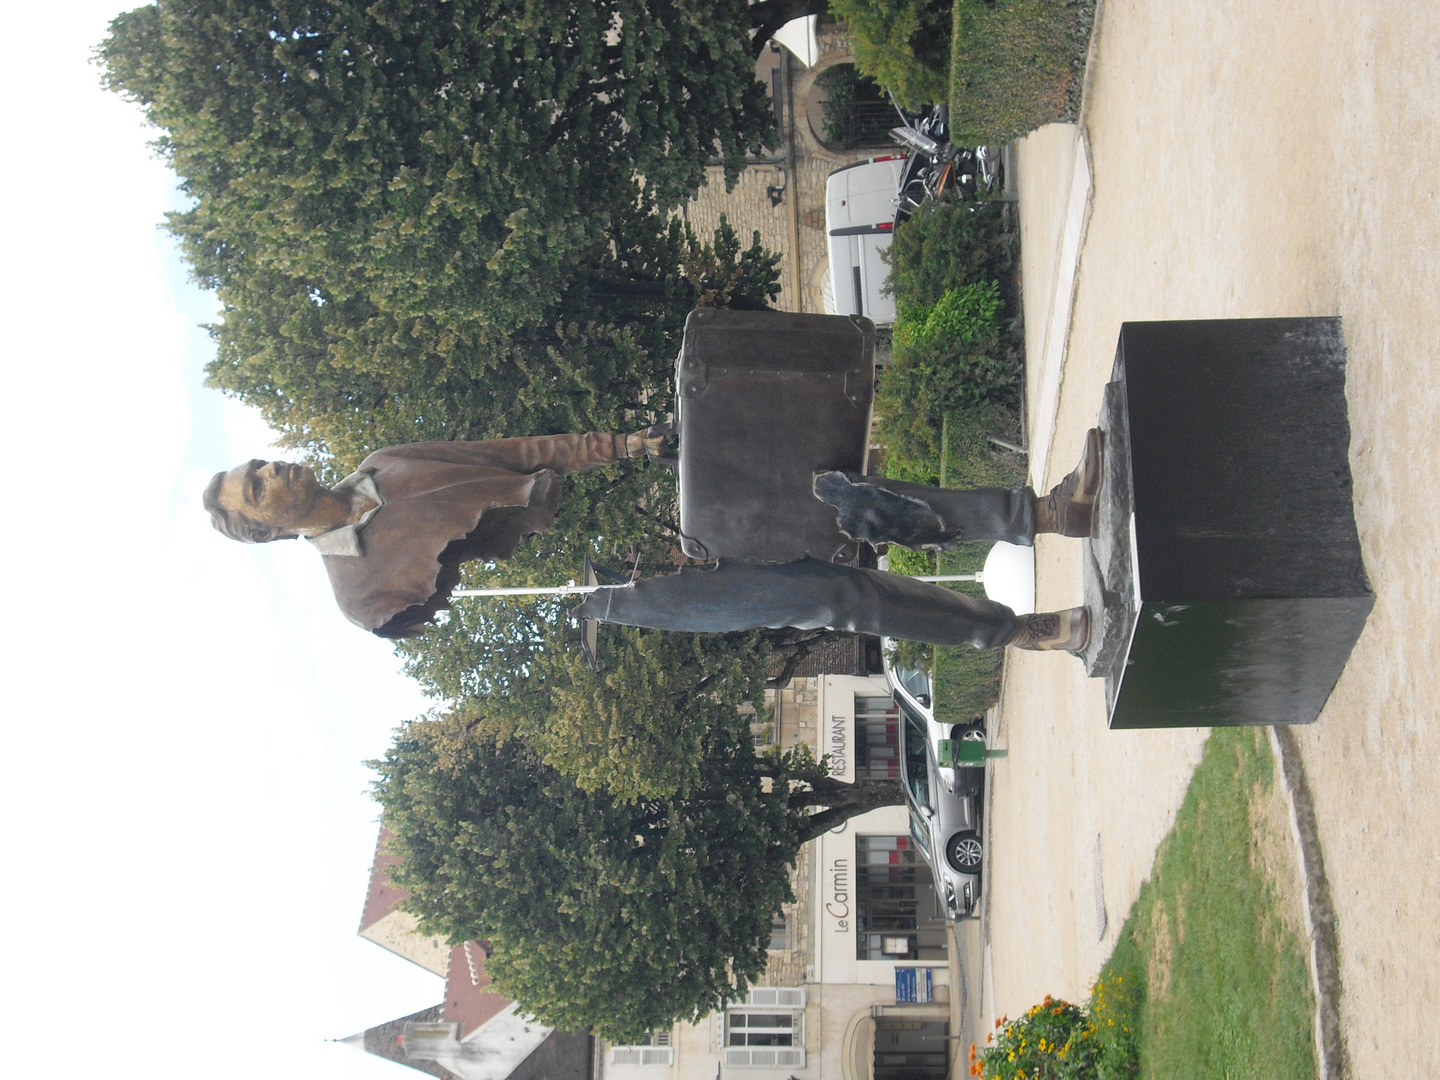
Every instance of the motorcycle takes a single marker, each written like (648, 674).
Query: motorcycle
(936, 165)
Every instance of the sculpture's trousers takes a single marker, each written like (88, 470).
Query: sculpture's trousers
(807, 594)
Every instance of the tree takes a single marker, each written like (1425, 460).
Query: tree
(904, 45)
(618, 916)
(636, 725)
(384, 191)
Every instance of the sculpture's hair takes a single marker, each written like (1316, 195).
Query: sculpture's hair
(231, 523)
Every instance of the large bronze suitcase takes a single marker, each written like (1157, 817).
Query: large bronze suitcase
(763, 401)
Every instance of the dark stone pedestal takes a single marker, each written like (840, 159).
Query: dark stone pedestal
(1227, 564)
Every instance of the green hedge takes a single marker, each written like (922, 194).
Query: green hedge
(956, 369)
(1016, 65)
(965, 678)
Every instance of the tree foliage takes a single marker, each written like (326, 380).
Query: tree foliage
(618, 916)
(904, 45)
(513, 668)
(414, 210)
(636, 727)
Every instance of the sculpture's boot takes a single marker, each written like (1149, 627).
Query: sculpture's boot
(919, 516)
(1069, 509)
(1054, 631)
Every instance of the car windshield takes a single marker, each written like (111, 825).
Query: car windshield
(915, 682)
(917, 765)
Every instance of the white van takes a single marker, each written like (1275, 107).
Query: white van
(859, 224)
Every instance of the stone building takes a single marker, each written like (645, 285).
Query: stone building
(782, 196)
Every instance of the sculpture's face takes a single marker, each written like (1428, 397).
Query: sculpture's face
(276, 495)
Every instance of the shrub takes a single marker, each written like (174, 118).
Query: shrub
(955, 368)
(948, 356)
(1016, 65)
(955, 346)
(904, 46)
(968, 314)
(1057, 1040)
(966, 679)
(947, 245)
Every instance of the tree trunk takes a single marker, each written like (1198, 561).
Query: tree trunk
(795, 646)
(843, 801)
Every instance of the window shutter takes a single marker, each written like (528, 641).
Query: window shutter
(642, 1055)
(765, 1057)
(783, 997)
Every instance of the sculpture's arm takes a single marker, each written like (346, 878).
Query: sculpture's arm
(561, 453)
(532, 453)
(523, 455)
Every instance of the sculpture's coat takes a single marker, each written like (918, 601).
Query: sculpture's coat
(447, 503)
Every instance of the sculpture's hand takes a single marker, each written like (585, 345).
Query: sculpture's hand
(648, 443)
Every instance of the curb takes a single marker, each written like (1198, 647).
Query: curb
(1320, 921)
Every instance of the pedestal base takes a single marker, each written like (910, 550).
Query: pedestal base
(1225, 582)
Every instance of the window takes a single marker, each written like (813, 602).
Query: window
(768, 1031)
(656, 1051)
(779, 933)
(898, 914)
(877, 738)
(761, 1029)
(916, 682)
(917, 762)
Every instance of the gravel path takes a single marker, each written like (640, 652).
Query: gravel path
(1251, 160)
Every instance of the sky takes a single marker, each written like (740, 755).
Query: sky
(185, 719)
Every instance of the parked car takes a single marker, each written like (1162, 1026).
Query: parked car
(945, 825)
(911, 688)
(859, 225)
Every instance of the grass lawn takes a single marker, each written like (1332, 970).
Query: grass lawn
(1226, 989)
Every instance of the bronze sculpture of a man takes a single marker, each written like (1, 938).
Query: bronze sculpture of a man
(394, 533)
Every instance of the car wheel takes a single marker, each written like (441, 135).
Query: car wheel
(973, 733)
(964, 852)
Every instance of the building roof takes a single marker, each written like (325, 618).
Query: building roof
(383, 895)
(490, 1032)
(387, 1041)
(398, 931)
(469, 1001)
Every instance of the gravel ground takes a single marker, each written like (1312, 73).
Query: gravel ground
(1249, 160)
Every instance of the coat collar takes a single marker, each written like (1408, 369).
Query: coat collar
(345, 540)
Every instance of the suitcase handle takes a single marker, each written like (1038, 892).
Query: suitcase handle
(695, 375)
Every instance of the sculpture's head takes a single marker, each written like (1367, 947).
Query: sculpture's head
(262, 501)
